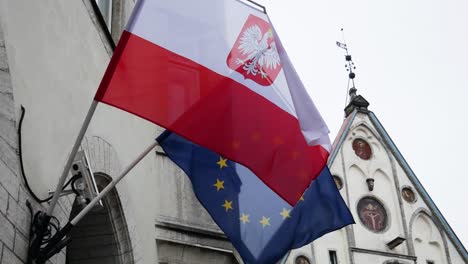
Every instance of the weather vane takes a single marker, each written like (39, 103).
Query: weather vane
(350, 67)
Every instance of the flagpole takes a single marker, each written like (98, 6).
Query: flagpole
(111, 185)
(56, 241)
(71, 157)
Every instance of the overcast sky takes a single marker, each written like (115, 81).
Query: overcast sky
(412, 66)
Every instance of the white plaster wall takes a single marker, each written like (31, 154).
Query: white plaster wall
(379, 168)
(412, 211)
(404, 180)
(422, 234)
(57, 60)
(427, 240)
(454, 255)
(332, 241)
(337, 169)
(318, 250)
(364, 258)
(305, 251)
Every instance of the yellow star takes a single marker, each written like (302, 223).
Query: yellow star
(227, 205)
(285, 213)
(302, 198)
(265, 221)
(244, 218)
(219, 185)
(222, 162)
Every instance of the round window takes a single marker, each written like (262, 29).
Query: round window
(338, 182)
(362, 149)
(372, 214)
(302, 260)
(408, 195)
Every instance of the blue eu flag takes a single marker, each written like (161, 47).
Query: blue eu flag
(260, 224)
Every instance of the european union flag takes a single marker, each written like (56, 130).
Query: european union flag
(260, 224)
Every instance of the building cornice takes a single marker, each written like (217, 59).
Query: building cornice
(382, 253)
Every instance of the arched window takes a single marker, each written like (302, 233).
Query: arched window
(102, 235)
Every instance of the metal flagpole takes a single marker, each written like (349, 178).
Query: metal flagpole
(77, 144)
(56, 243)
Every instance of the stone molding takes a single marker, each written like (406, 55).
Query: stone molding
(382, 253)
(427, 213)
(104, 160)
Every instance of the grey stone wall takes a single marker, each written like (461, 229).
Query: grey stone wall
(15, 217)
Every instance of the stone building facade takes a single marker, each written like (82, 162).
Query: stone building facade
(396, 220)
(52, 57)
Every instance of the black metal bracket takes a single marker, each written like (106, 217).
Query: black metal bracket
(41, 248)
(39, 225)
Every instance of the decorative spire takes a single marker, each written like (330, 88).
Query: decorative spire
(355, 101)
(349, 68)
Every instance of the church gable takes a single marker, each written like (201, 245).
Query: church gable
(366, 169)
(393, 212)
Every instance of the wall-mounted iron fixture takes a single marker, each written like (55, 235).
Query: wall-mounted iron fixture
(395, 242)
(370, 184)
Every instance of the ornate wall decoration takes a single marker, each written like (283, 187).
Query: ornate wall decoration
(338, 182)
(408, 194)
(362, 149)
(372, 214)
(302, 260)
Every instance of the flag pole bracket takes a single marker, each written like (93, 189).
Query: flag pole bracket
(39, 254)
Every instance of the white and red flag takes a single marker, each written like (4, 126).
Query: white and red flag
(215, 72)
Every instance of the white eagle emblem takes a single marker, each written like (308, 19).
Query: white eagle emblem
(259, 53)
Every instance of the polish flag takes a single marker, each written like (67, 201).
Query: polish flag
(215, 72)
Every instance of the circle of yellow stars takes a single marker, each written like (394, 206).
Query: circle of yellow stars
(245, 218)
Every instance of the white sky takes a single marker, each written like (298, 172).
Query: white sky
(412, 66)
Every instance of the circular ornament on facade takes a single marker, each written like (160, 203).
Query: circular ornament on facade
(408, 194)
(362, 149)
(302, 260)
(372, 214)
(338, 182)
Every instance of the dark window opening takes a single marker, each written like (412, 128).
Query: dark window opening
(333, 257)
